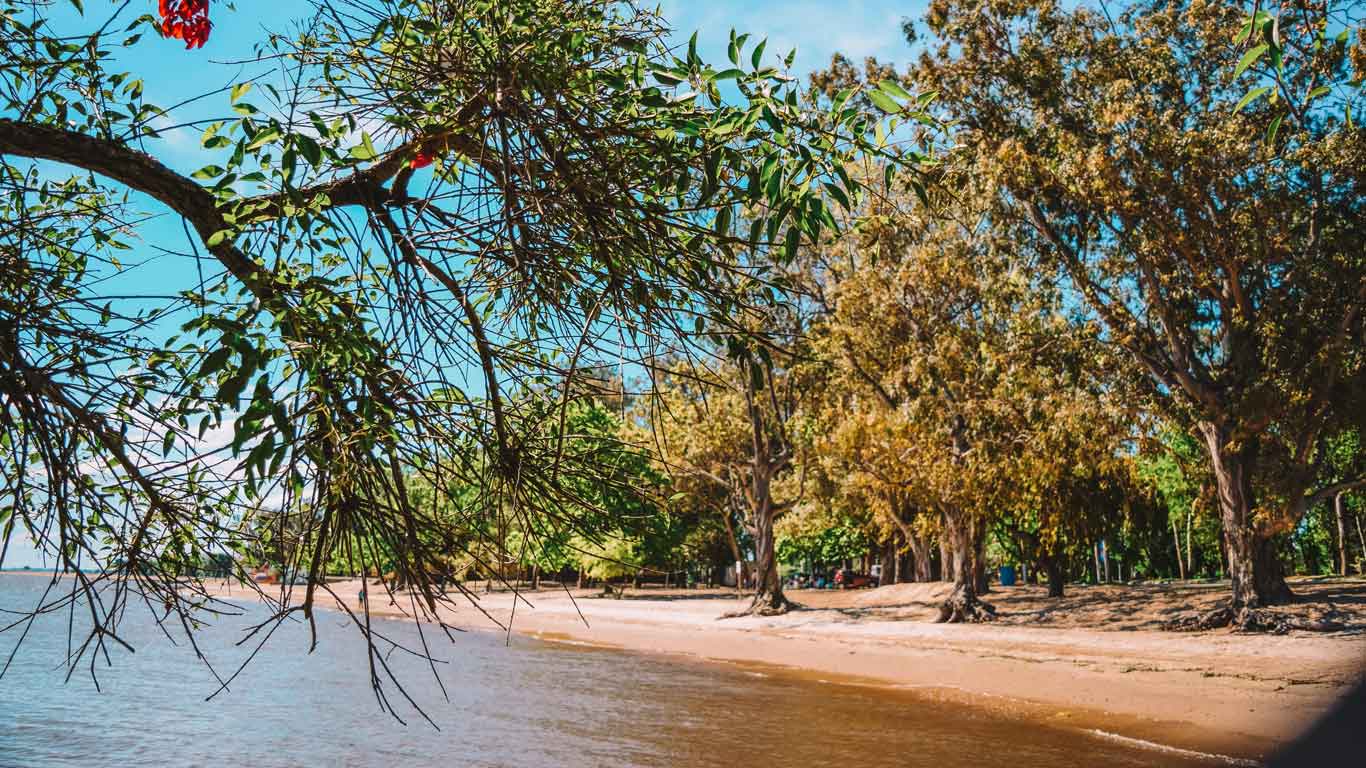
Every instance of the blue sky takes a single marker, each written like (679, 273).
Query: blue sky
(171, 73)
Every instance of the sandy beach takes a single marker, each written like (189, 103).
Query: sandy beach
(1095, 660)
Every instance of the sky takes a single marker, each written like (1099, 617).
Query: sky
(857, 28)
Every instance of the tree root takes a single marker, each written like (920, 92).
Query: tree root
(763, 605)
(1256, 620)
(961, 608)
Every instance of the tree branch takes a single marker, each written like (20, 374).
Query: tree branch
(1329, 491)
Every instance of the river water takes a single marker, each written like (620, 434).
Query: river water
(528, 704)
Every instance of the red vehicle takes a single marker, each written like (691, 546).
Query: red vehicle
(847, 579)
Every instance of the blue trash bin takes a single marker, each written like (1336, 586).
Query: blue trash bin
(1007, 575)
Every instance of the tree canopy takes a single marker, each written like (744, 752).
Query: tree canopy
(411, 234)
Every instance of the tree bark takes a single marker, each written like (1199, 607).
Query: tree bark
(769, 599)
(963, 604)
(888, 563)
(1176, 539)
(734, 550)
(922, 565)
(1362, 540)
(945, 553)
(979, 558)
(1190, 517)
(1053, 570)
(1253, 565)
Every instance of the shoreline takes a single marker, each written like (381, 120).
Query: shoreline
(1219, 695)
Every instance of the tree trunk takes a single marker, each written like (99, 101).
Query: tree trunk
(945, 553)
(897, 559)
(734, 551)
(1362, 540)
(1253, 565)
(1342, 535)
(769, 599)
(888, 563)
(1190, 518)
(535, 577)
(920, 550)
(962, 604)
(1176, 539)
(1053, 570)
(580, 580)
(979, 558)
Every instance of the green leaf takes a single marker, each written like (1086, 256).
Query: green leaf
(214, 362)
(309, 149)
(238, 91)
(666, 78)
(758, 55)
(366, 150)
(1248, 59)
(794, 239)
(884, 102)
(893, 88)
(230, 391)
(836, 192)
(723, 221)
(208, 172)
(1273, 128)
(1251, 96)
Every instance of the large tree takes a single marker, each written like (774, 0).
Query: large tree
(966, 388)
(737, 426)
(408, 237)
(1221, 249)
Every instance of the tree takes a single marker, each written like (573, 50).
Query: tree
(965, 389)
(1220, 249)
(1173, 466)
(737, 426)
(411, 237)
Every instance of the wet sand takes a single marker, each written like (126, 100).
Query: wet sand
(1096, 660)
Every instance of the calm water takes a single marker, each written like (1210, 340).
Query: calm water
(533, 704)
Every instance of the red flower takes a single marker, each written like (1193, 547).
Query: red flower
(186, 20)
(422, 159)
